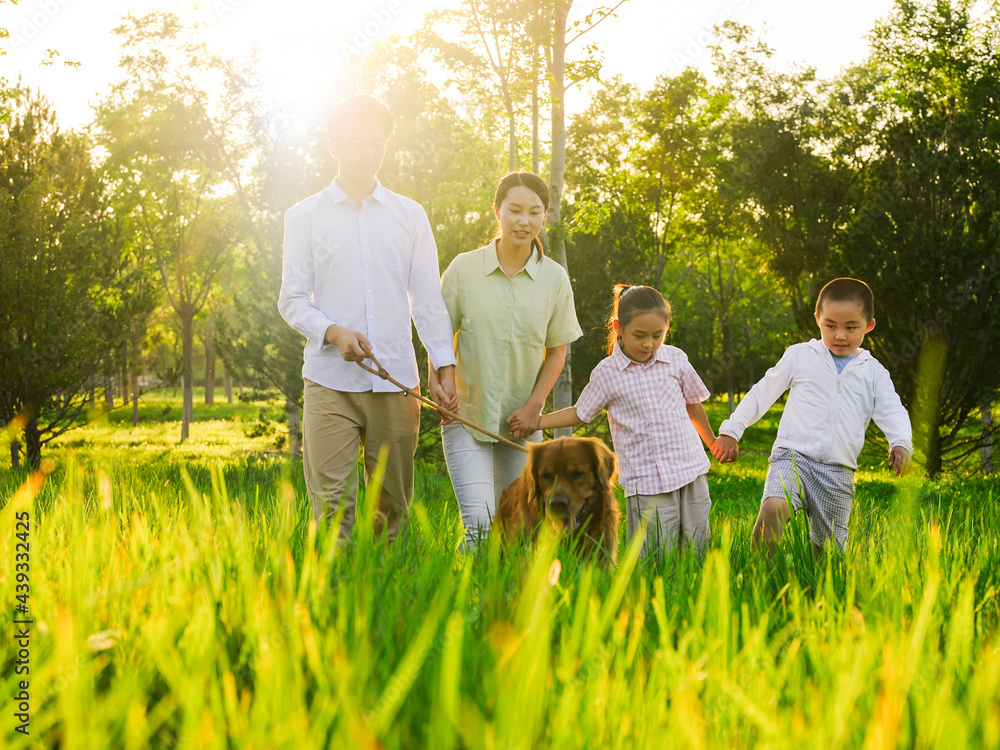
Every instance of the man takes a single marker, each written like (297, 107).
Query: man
(359, 261)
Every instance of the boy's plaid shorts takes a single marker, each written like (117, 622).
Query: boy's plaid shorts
(826, 491)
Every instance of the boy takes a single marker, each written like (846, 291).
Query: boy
(837, 388)
(358, 261)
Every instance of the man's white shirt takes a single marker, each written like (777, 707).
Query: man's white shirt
(367, 269)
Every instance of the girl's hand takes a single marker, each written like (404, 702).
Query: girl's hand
(523, 422)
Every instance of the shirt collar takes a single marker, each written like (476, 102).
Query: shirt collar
(492, 262)
(621, 359)
(337, 194)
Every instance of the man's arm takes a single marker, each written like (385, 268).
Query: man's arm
(427, 306)
(298, 280)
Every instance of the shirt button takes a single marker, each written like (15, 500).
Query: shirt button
(500, 376)
(503, 353)
(506, 329)
(508, 307)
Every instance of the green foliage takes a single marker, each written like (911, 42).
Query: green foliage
(924, 215)
(57, 244)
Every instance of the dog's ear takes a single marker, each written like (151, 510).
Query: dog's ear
(605, 463)
(528, 474)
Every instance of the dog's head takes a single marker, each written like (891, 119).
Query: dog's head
(570, 479)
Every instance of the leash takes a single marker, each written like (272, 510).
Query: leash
(382, 373)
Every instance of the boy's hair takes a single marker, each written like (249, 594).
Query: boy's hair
(358, 107)
(529, 180)
(631, 301)
(847, 290)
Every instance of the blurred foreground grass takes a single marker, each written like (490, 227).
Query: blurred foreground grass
(181, 598)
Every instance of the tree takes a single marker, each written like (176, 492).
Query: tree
(168, 147)
(923, 223)
(57, 247)
(782, 179)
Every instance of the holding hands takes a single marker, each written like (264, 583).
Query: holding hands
(524, 421)
(725, 449)
(441, 384)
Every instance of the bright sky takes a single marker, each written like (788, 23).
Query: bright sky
(302, 40)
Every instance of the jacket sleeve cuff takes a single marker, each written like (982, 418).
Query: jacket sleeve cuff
(730, 430)
(442, 356)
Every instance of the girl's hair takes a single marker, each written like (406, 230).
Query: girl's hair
(631, 301)
(529, 180)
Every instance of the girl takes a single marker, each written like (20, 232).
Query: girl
(512, 313)
(653, 397)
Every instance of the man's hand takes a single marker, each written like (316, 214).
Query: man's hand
(899, 460)
(441, 384)
(725, 449)
(352, 344)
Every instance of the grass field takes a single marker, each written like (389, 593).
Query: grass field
(180, 597)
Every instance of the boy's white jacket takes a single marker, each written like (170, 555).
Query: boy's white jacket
(827, 413)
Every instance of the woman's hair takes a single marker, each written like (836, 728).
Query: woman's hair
(529, 180)
(630, 301)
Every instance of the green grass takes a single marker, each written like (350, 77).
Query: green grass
(182, 598)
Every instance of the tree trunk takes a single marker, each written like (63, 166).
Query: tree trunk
(209, 363)
(134, 381)
(109, 388)
(294, 428)
(126, 381)
(227, 379)
(727, 360)
(512, 142)
(535, 146)
(15, 454)
(93, 392)
(187, 366)
(562, 394)
(33, 444)
(986, 447)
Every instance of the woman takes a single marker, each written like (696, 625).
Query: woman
(512, 312)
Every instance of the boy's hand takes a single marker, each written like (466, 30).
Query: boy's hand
(899, 460)
(352, 344)
(725, 449)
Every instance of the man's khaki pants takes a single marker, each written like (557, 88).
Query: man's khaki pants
(334, 425)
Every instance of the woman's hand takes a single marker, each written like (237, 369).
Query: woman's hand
(524, 421)
(441, 384)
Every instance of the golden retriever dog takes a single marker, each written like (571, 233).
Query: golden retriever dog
(570, 482)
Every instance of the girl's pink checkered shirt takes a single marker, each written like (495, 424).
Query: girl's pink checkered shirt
(658, 448)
